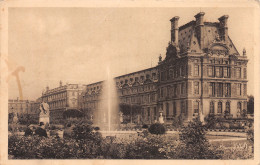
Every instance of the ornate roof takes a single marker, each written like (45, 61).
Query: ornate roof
(189, 39)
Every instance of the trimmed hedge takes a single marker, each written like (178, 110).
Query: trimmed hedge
(157, 129)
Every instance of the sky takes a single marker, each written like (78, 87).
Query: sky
(76, 45)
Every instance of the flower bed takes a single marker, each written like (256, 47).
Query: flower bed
(190, 143)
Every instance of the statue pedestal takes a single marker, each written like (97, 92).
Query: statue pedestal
(44, 118)
(161, 120)
(15, 119)
(44, 114)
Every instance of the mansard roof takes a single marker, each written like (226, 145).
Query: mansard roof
(189, 39)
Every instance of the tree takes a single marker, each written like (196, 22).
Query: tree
(250, 104)
(178, 121)
(157, 129)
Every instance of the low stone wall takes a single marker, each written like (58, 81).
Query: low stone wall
(230, 134)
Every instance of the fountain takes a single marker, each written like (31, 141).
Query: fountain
(108, 108)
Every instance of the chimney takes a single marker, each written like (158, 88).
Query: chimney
(223, 27)
(60, 83)
(199, 25)
(47, 88)
(174, 29)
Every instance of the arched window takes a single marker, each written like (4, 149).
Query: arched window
(228, 107)
(211, 108)
(219, 107)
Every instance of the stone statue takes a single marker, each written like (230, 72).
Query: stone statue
(202, 117)
(161, 116)
(121, 117)
(45, 113)
(15, 118)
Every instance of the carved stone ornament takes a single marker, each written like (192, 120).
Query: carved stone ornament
(218, 49)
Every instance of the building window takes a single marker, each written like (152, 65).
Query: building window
(176, 73)
(227, 88)
(219, 107)
(162, 92)
(183, 110)
(211, 108)
(148, 112)
(219, 72)
(239, 107)
(238, 72)
(154, 113)
(196, 87)
(239, 92)
(189, 70)
(162, 76)
(175, 90)
(167, 110)
(210, 71)
(153, 76)
(182, 88)
(153, 97)
(168, 89)
(196, 107)
(220, 89)
(228, 107)
(245, 89)
(170, 74)
(212, 89)
(226, 71)
(174, 109)
(245, 73)
(166, 74)
(183, 70)
(196, 70)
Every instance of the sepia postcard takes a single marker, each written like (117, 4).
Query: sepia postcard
(123, 82)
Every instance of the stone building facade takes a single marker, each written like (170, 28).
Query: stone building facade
(25, 109)
(202, 74)
(61, 99)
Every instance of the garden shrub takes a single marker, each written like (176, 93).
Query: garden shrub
(85, 132)
(157, 129)
(150, 147)
(250, 134)
(145, 126)
(194, 144)
(178, 121)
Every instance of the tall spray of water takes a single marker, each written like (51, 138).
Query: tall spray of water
(107, 115)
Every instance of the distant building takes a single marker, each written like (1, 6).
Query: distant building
(25, 109)
(61, 99)
(202, 73)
